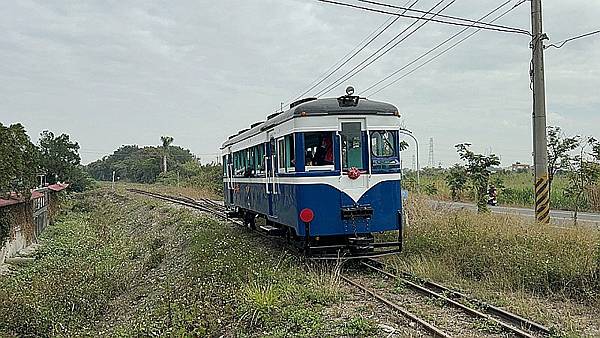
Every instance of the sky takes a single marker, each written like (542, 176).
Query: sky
(110, 73)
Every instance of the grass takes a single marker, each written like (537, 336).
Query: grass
(517, 191)
(115, 264)
(506, 260)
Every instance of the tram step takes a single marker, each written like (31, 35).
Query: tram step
(272, 231)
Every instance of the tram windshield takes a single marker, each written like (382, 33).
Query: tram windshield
(384, 150)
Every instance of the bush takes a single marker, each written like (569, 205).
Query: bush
(506, 251)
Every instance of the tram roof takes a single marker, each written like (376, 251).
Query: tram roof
(345, 105)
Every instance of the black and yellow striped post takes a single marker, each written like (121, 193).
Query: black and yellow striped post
(542, 200)
(540, 146)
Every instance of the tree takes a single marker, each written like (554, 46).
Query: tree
(59, 156)
(477, 171)
(403, 145)
(456, 180)
(596, 152)
(559, 149)
(166, 142)
(134, 164)
(19, 161)
(583, 173)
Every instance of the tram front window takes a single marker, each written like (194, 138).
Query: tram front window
(384, 150)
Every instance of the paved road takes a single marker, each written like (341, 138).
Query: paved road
(559, 216)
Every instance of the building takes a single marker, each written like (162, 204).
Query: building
(520, 167)
(22, 221)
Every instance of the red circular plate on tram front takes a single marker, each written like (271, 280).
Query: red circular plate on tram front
(307, 215)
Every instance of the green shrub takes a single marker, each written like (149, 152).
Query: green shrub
(506, 251)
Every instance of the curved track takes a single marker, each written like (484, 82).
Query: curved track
(508, 321)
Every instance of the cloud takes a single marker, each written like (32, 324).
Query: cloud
(121, 72)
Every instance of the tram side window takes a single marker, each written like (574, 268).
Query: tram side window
(384, 150)
(286, 154)
(251, 162)
(241, 163)
(352, 145)
(259, 159)
(318, 150)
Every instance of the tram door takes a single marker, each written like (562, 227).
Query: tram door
(228, 164)
(270, 174)
(355, 154)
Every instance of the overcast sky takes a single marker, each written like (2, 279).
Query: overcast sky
(126, 72)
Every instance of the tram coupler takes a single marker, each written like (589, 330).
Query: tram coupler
(361, 245)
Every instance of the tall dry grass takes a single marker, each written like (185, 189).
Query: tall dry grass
(509, 251)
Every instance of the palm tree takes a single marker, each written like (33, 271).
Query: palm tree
(166, 142)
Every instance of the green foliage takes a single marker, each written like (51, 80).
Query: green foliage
(208, 177)
(559, 149)
(456, 180)
(583, 173)
(403, 145)
(4, 226)
(430, 189)
(477, 171)
(132, 267)
(59, 156)
(507, 252)
(140, 165)
(61, 161)
(19, 160)
(360, 327)
(166, 142)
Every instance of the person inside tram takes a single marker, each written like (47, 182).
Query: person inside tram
(324, 153)
(309, 157)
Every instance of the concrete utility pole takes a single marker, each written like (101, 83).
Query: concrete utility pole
(540, 147)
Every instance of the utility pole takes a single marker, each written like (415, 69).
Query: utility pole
(431, 158)
(540, 147)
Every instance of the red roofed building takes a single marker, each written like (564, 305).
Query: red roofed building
(27, 218)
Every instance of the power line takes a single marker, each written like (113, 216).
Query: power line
(342, 62)
(442, 52)
(352, 72)
(440, 45)
(564, 42)
(442, 15)
(511, 30)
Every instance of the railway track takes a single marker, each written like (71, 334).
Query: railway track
(468, 316)
(466, 312)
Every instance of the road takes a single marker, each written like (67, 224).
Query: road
(558, 216)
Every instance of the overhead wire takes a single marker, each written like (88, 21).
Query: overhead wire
(434, 48)
(353, 53)
(339, 3)
(442, 15)
(374, 57)
(560, 44)
(442, 52)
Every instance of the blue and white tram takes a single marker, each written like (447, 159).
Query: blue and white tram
(325, 173)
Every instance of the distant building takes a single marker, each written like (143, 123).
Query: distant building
(27, 218)
(520, 167)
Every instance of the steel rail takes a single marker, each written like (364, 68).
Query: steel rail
(513, 317)
(461, 306)
(181, 201)
(426, 325)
